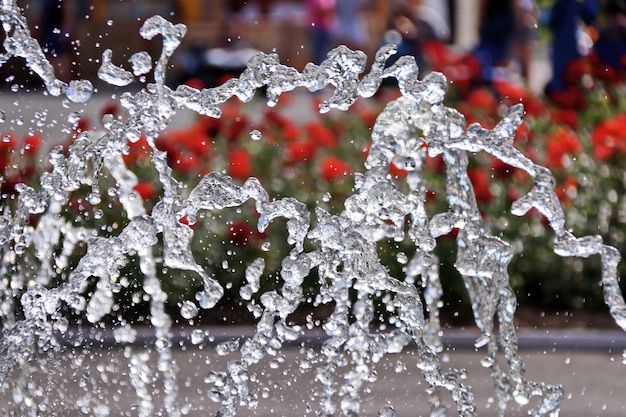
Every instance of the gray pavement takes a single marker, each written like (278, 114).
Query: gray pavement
(593, 382)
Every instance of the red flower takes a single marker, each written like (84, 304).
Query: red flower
(138, 152)
(185, 162)
(576, 70)
(518, 93)
(225, 77)
(567, 117)
(609, 137)
(112, 107)
(567, 191)
(483, 100)
(603, 71)
(185, 220)
(513, 194)
(146, 190)
(32, 144)
(7, 145)
(572, 98)
(210, 125)
(300, 151)
(366, 114)
(239, 163)
(438, 54)
(234, 123)
(195, 139)
(480, 181)
(196, 83)
(8, 185)
(83, 125)
(274, 118)
(7, 142)
(333, 168)
(290, 132)
(397, 172)
(321, 134)
(240, 233)
(502, 169)
(523, 134)
(436, 164)
(559, 144)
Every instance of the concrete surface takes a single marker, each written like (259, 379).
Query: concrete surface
(593, 382)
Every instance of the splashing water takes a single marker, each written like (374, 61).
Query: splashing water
(344, 246)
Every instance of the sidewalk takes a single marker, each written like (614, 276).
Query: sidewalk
(573, 339)
(593, 381)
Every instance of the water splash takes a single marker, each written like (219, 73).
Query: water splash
(409, 130)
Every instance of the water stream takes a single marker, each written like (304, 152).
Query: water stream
(39, 290)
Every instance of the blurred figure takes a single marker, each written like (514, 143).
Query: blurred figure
(351, 27)
(407, 33)
(56, 30)
(497, 24)
(564, 21)
(525, 34)
(321, 16)
(610, 47)
(435, 13)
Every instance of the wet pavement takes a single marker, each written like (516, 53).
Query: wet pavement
(593, 377)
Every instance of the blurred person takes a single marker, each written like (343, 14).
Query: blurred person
(610, 47)
(496, 29)
(56, 30)
(351, 27)
(525, 34)
(408, 33)
(565, 19)
(321, 16)
(436, 14)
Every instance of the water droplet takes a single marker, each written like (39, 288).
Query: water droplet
(520, 397)
(141, 63)
(133, 135)
(125, 334)
(188, 310)
(227, 347)
(73, 117)
(79, 91)
(94, 198)
(483, 340)
(387, 411)
(197, 336)
(112, 74)
(487, 362)
(256, 135)
(402, 258)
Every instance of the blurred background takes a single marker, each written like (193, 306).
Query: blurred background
(222, 34)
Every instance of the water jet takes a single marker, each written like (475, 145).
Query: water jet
(43, 284)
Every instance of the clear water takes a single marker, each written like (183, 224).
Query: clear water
(344, 254)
